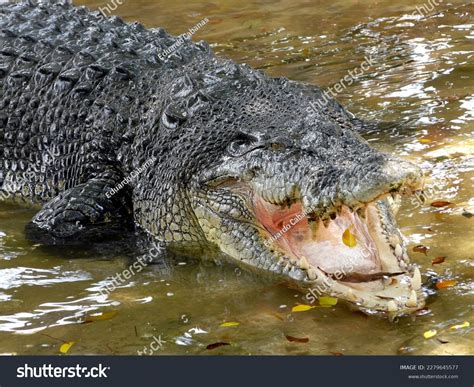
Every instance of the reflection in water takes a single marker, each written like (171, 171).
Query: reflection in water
(422, 80)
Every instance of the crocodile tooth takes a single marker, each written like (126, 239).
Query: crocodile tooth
(412, 301)
(351, 296)
(392, 306)
(304, 263)
(416, 280)
(398, 251)
(394, 240)
(312, 274)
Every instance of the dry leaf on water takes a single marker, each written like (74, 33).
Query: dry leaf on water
(438, 260)
(441, 203)
(64, 348)
(420, 249)
(216, 345)
(100, 317)
(446, 284)
(327, 302)
(430, 333)
(229, 324)
(302, 308)
(297, 339)
(465, 324)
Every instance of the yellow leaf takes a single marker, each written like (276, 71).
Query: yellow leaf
(424, 140)
(66, 347)
(446, 284)
(465, 324)
(229, 324)
(100, 317)
(348, 238)
(302, 308)
(430, 333)
(327, 302)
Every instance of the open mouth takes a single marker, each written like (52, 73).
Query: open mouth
(357, 255)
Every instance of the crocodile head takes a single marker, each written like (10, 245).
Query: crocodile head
(284, 184)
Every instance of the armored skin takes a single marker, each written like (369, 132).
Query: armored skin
(105, 132)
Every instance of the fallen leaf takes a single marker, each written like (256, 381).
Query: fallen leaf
(442, 341)
(64, 348)
(430, 333)
(229, 324)
(100, 317)
(465, 324)
(276, 315)
(446, 284)
(327, 302)
(466, 214)
(217, 345)
(441, 203)
(438, 260)
(302, 308)
(348, 238)
(424, 140)
(420, 249)
(297, 339)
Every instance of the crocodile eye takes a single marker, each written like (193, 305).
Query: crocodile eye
(242, 144)
(173, 116)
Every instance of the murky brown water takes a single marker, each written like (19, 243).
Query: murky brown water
(423, 76)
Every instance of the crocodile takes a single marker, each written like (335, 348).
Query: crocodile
(107, 126)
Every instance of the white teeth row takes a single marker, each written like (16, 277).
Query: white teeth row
(394, 240)
(398, 251)
(412, 302)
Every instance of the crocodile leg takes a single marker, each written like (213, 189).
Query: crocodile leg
(84, 213)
